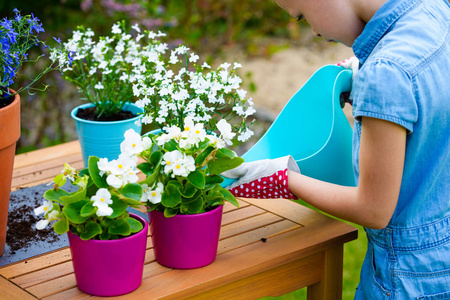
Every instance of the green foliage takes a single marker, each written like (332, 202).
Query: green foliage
(197, 191)
(80, 213)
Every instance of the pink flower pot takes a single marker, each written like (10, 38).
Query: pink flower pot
(185, 241)
(109, 268)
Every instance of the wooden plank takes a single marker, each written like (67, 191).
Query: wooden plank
(248, 224)
(289, 210)
(47, 274)
(256, 235)
(240, 214)
(9, 291)
(37, 263)
(47, 154)
(54, 286)
(275, 282)
(72, 294)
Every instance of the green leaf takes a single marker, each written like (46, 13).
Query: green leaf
(118, 206)
(151, 179)
(171, 145)
(189, 190)
(156, 158)
(135, 225)
(185, 200)
(146, 168)
(90, 230)
(61, 227)
(120, 227)
(202, 156)
(74, 197)
(88, 209)
(196, 206)
(94, 172)
(60, 179)
(171, 196)
(170, 212)
(132, 190)
(213, 179)
(104, 236)
(225, 153)
(220, 165)
(228, 196)
(197, 179)
(55, 195)
(73, 212)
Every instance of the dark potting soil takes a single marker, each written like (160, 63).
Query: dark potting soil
(90, 115)
(23, 240)
(6, 101)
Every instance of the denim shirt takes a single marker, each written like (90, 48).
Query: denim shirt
(404, 78)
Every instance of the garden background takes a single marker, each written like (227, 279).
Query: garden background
(278, 55)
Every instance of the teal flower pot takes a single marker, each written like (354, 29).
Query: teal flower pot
(103, 138)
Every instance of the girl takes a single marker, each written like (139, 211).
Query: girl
(401, 106)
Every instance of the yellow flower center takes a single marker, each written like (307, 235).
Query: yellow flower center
(168, 162)
(186, 128)
(178, 166)
(45, 208)
(154, 194)
(102, 199)
(197, 131)
(120, 166)
(134, 145)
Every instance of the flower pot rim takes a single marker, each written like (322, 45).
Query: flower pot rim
(14, 102)
(86, 105)
(193, 215)
(134, 236)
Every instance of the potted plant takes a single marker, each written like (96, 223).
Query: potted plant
(104, 70)
(107, 242)
(199, 111)
(17, 36)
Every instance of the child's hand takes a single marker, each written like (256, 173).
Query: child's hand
(351, 63)
(263, 178)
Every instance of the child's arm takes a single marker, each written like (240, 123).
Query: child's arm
(373, 201)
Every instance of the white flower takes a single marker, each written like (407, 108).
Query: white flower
(237, 65)
(241, 93)
(103, 196)
(101, 200)
(182, 167)
(205, 65)
(154, 195)
(132, 145)
(102, 165)
(44, 208)
(42, 224)
(173, 132)
(194, 57)
(99, 86)
(225, 131)
(147, 142)
(170, 159)
(116, 29)
(245, 136)
(136, 27)
(225, 65)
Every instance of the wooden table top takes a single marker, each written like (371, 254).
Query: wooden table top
(267, 248)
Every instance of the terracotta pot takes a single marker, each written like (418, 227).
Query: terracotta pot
(109, 268)
(9, 134)
(185, 241)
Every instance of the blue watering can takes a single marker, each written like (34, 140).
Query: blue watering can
(313, 129)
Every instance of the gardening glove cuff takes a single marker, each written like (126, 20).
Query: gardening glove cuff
(263, 178)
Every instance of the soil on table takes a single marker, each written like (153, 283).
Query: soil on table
(22, 232)
(90, 115)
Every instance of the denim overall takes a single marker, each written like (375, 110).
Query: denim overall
(404, 78)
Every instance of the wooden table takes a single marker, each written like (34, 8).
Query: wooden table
(266, 248)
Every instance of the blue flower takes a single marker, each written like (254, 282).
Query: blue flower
(58, 40)
(34, 24)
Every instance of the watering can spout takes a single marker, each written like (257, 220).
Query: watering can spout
(313, 129)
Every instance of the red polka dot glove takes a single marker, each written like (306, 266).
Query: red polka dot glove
(263, 178)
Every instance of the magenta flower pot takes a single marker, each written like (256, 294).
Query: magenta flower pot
(185, 241)
(109, 268)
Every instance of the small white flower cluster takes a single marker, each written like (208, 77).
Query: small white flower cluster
(47, 209)
(174, 93)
